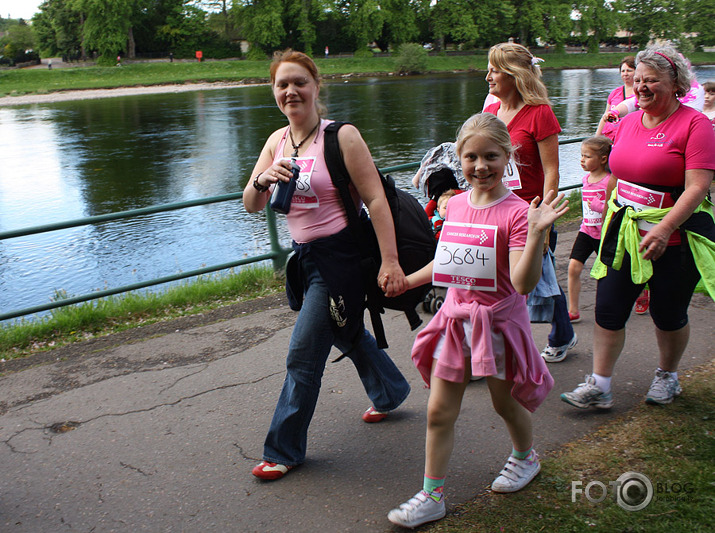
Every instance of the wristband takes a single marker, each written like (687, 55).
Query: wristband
(258, 186)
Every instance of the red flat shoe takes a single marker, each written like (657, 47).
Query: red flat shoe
(371, 415)
(270, 471)
(574, 317)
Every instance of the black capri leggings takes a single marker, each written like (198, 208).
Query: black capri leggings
(671, 288)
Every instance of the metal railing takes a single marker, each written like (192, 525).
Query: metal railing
(277, 254)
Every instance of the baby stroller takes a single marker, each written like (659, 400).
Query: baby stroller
(439, 172)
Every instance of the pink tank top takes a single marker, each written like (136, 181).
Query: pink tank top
(317, 210)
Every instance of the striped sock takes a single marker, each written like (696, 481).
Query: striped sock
(434, 487)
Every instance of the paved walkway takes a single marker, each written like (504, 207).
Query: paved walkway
(160, 434)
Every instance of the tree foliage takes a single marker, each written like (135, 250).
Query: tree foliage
(597, 21)
(699, 19)
(106, 25)
(109, 27)
(653, 19)
(58, 27)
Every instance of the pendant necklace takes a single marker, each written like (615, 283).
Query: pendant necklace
(296, 147)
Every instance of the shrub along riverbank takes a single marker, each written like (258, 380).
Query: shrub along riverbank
(42, 81)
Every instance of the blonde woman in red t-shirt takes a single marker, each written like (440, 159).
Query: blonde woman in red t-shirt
(514, 77)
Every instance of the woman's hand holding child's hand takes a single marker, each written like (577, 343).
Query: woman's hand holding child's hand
(542, 215)
(391, 280)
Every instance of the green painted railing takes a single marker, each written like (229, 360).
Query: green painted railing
(277, 254)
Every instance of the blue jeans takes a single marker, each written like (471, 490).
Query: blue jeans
(310, 345)
(561, 328)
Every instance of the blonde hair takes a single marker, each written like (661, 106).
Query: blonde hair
(601, 145)
(518, 62)
(488, 125)
(446, 195)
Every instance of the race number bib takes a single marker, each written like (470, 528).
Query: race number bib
(591, 217)
(512, 182)
(304, 194)
(466, 257)
(639, 198)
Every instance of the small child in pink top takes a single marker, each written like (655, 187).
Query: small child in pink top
(489, 256)
(594, 160)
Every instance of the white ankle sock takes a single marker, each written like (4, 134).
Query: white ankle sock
(674, 374)
(602, 382)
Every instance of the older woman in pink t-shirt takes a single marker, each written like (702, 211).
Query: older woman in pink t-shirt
(663, 158)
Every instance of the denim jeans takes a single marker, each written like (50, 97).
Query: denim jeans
(561, 328)
(310, 345)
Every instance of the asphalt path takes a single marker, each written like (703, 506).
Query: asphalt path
(159, 432)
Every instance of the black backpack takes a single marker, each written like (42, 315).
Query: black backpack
(413, 233)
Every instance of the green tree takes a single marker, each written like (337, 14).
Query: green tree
(597, 22)
(454, 19)
(530, 20)
(184, 29)
(699, 17)
(218, 13)
(400, 23)
(559, 25)
(58, 27)
(299, 20)
(21, 36)
(473, 23)
(18, 43)
(107, 26)
(365, 22)
(654, 19)
(261, 23)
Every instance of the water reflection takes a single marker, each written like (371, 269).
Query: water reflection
(74, 159)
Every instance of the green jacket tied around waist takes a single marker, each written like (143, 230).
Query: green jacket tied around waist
(620, 234)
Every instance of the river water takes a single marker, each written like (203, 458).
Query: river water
(69, 160)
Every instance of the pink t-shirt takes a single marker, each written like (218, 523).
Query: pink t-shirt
(320, 212)
(531, 125)
(508, 213)
(616, 97)
(598, 202)
(658, 158)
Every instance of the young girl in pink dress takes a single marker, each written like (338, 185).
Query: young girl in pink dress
(594, 160)
(489, 256)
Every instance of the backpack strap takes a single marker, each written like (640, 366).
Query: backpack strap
(341, 180)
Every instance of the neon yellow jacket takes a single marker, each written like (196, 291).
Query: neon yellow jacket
(628, 240)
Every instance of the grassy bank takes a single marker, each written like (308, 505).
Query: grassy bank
(109, 315)
(29, 81)
(673, 446)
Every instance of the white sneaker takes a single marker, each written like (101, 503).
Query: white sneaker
(588, 394)
(556, 354)
(664, 388)
(517, 473)
(417, 511)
